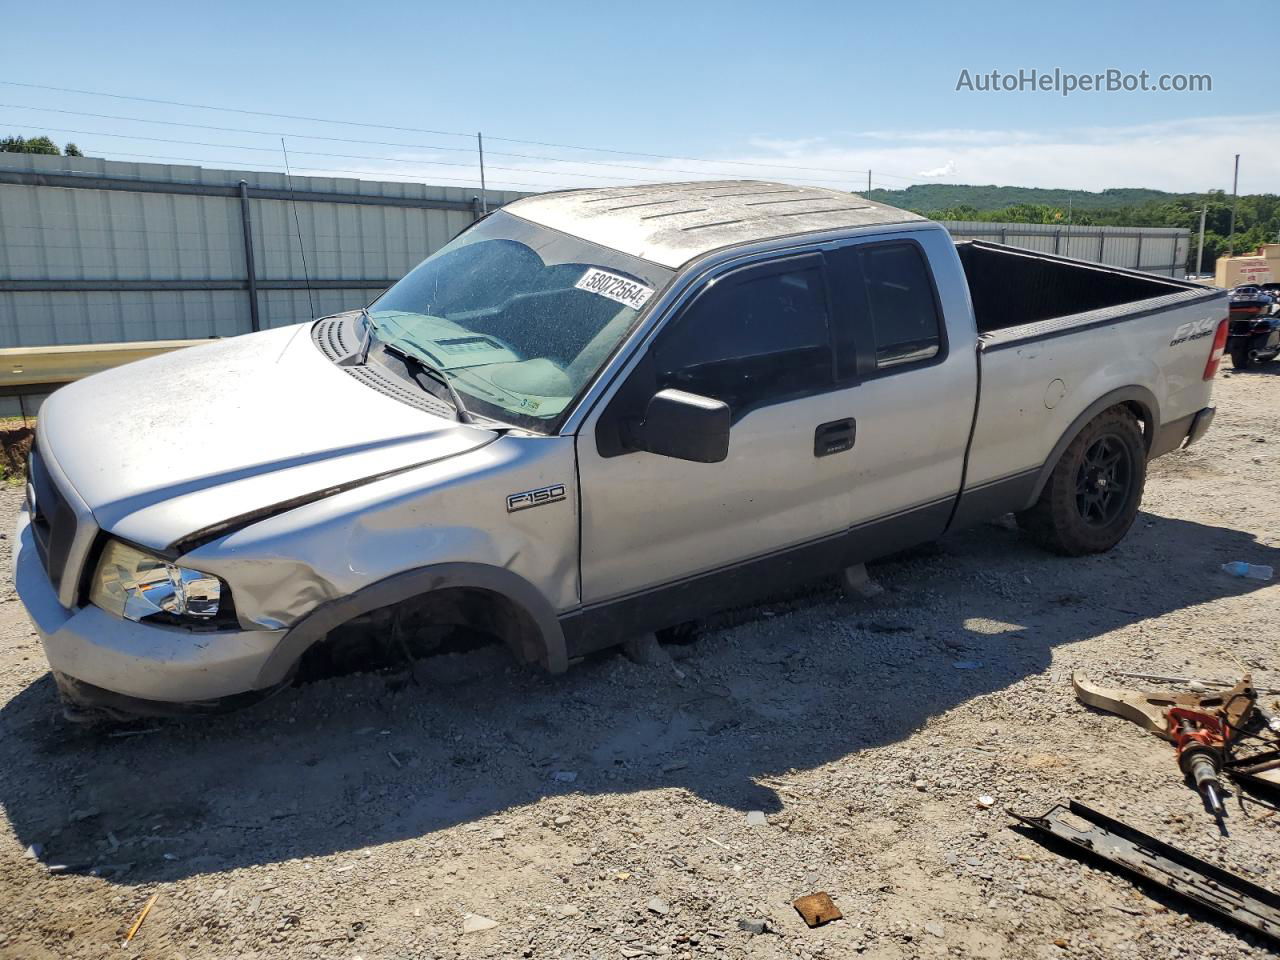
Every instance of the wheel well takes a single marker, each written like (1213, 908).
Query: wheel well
(446, 620)
(1144, 418)
(1135, 400)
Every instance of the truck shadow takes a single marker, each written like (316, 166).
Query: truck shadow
(797, 682)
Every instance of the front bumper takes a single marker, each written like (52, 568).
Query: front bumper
(102, 661)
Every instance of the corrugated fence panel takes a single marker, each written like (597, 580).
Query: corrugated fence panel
(100, 251)
(1160, 250)
(128, 240)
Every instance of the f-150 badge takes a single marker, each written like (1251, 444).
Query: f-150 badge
(535, 498)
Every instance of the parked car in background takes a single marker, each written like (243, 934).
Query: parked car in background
(592, 415)
(1253, 340)
(1249, 300)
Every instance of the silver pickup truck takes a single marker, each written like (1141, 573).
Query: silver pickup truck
(592, 415)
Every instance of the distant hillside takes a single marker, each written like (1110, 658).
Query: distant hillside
(925, 197)
(1257, 219)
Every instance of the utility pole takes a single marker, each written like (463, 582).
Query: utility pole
(1235, 197)
(1200, 256)
(484, 197)
(868, 184)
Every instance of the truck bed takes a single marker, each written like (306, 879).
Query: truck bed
(1023, 295)
(1058, 340)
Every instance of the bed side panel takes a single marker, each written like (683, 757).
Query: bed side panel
(1034, 389)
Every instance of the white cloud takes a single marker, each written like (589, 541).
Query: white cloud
(948, 169)
(1189, 154)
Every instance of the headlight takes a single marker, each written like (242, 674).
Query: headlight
(134, 584)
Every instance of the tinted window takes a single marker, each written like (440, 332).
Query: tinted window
(899, 295)
(750, 339)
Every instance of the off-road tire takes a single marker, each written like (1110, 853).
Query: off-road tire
(1240, 359)
(1058, 521)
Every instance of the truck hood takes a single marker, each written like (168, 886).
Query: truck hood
(213, 435)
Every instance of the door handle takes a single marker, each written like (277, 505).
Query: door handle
(834, 437)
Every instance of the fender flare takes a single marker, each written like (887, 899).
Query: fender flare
(549, 645)
(1136, 395)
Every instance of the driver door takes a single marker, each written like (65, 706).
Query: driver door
(759, 339)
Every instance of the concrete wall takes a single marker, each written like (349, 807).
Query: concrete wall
(1259, 266)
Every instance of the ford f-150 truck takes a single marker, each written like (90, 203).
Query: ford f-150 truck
(592, 415)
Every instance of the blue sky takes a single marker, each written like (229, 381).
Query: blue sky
(757, 89)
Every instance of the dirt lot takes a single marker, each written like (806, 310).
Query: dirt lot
(604, 813)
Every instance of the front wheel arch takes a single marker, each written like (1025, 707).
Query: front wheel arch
(535, 636)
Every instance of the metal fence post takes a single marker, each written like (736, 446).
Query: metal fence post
(1102, 243)
(1057, 241)
(1137, 263)
(250, 270)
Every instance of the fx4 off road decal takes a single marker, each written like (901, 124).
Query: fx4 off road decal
(1194, 330)
(535, 498)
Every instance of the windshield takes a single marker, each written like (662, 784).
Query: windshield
(518, 316)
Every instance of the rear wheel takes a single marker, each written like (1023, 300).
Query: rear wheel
(1240, 359)
(1092, 496)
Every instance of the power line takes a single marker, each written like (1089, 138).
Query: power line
(363, 156)
(381, 143)
(442, 133)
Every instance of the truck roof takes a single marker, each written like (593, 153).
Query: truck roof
(672, 223)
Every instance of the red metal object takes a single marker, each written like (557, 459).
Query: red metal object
(1193, 726)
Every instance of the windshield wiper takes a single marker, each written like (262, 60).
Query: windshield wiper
(435, 373)
(370, 334)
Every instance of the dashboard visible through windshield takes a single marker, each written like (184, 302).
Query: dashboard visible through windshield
(517, 316)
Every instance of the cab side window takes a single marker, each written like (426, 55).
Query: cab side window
(752, 338)
(888, 315)
(904, 315)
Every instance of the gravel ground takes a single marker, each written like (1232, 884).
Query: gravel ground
(626, 810)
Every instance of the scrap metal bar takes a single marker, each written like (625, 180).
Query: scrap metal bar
(24, 367)
(1233, 898)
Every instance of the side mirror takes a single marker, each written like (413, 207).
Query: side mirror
(685, 426)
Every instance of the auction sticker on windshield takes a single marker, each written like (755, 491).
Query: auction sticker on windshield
(615, 287)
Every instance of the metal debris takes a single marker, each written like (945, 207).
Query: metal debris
(1217, 730)
(1190, 681)
(817, 909)
(1231, 897)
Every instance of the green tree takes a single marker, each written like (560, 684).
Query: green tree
(71, 150)
(34, 145)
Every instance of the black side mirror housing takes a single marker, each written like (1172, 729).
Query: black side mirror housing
(685, 426)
